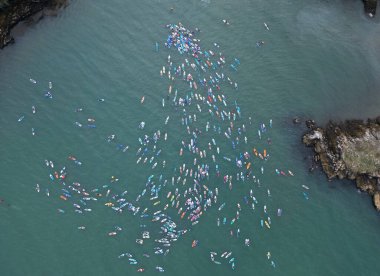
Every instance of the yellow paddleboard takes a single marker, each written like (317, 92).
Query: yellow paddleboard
(267, 224)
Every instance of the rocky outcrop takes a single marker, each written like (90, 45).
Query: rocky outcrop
(14, 11)
(349, 150)
(370, 7)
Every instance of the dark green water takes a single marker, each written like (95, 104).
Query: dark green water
(320, 60)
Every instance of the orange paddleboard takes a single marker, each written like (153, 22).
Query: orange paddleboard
(63, 197)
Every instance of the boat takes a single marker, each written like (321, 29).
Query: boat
(142, 99)
(305, 187)
(21, 118)
(32, 81)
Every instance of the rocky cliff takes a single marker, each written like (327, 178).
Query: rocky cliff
(14, 11)
(349, 150)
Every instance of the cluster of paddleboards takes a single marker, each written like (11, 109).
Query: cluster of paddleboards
(221, 149)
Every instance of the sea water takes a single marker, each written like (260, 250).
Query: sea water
(320, 60)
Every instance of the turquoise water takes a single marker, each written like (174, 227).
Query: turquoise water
(320, 60)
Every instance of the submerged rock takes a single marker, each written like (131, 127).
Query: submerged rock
(296, 120)
(15, 11)
(349, 150)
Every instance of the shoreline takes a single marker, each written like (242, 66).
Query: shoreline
(348, 150)
(30, 12)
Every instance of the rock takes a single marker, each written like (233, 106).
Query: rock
(350, 149)
(310, 124)
(296, 120)
(13, 12)
(366, 184)
(370, 7)
(376, 200)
